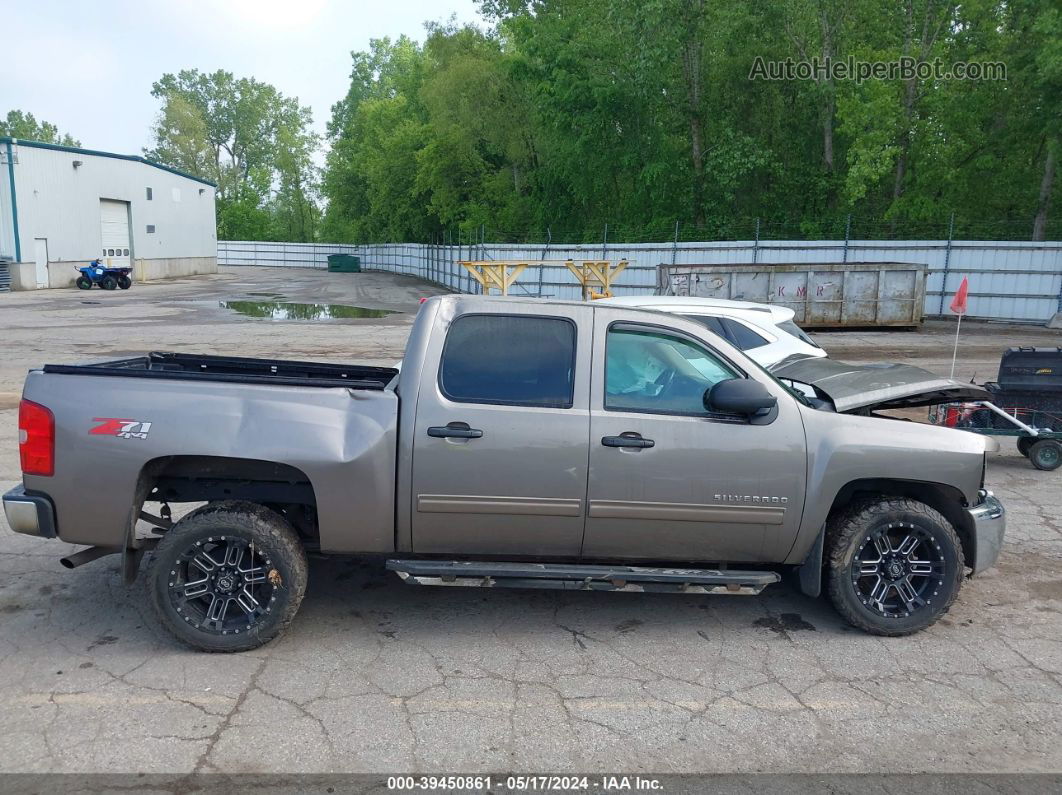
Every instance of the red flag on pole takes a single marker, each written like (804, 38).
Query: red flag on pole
(958, 306)
(958, 303)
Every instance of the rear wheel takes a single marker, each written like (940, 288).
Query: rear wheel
(895, 565)
(108, 282)
(1046, 454)
(83, 283)
(228, 577)
(1025, 444)
(124, 282)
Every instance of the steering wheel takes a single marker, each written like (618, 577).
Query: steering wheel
(664, 381)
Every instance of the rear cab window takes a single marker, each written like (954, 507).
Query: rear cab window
(511, 360)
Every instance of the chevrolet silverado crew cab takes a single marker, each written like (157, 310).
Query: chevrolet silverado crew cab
(525, 443)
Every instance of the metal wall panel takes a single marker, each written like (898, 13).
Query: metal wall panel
(7, 223)
(62, 203)
(1009, 280)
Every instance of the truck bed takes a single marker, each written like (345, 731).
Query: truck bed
(234, 369)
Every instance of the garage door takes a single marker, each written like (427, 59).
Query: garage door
(114, 233)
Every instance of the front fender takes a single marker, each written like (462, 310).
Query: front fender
(845, 448)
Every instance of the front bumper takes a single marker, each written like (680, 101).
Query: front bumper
(989, 525)
(31, 514)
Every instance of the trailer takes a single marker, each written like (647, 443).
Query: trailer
(1026, 404)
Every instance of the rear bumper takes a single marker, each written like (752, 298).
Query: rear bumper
(30, 514)
(990, 524)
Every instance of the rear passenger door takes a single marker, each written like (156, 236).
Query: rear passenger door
(500, 443)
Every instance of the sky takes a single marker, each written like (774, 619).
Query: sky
(88, 67)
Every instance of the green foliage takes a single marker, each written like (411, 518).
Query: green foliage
(251, 140)
(567, 115)
(23, 125)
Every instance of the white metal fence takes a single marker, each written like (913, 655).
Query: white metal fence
(1008, 280)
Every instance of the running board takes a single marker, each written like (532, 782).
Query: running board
(575, 577)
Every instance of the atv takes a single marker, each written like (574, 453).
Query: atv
(106, 277)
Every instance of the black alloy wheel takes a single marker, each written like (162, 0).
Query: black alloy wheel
(898, 570)
(220, 585)
(894, 565)
(229, 576)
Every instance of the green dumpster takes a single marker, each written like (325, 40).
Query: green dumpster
(344, 263)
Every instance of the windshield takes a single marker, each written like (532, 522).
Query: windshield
(792, 328)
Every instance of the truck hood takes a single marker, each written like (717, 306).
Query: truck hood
(853, 387)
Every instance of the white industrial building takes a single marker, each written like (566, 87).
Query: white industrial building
(61, 207)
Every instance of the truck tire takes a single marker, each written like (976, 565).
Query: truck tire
(894, 565)
(229, 576)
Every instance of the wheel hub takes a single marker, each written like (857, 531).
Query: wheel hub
(220, 585)
(898, 570)
(226, 582)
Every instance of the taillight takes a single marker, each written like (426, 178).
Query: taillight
(36, 439)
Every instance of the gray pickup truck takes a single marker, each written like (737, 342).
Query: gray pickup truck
(524, 443)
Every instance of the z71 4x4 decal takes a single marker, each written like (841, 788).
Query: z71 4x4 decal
(123, 429)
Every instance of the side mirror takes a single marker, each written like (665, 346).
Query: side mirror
(739, 396)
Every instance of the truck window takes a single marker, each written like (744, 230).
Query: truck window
(649, 370)
(516, 360)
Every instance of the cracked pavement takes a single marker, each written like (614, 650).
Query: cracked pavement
(377, 676)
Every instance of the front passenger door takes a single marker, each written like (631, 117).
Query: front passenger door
(670, 480)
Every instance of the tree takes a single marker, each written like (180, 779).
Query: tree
(376, 132)
(1044, 44)
(564, 116)
(253, 142)
(18, 124)
(820, 29)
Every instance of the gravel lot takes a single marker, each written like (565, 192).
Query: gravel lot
(375, 676)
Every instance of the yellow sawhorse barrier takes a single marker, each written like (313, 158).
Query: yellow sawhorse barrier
(595, 276)
(498, 274)
(596, 273)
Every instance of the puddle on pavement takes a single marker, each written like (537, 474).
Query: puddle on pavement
(284, 310)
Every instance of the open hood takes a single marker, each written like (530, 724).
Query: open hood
(852, 387)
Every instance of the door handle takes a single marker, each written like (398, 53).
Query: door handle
(627, 440)
(454, 430)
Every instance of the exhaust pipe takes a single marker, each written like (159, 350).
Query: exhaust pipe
(87, 556)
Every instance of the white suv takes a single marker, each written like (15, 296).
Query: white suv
(765, 333)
